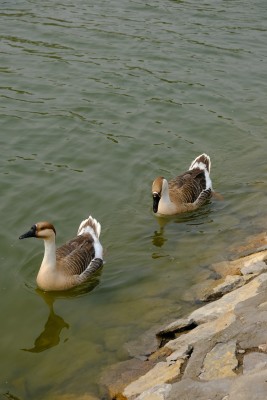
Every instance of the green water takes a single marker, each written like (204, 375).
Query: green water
(97, 99)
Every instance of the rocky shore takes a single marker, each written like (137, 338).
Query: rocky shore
(219, 351)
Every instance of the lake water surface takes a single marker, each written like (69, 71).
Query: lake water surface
(97, 99)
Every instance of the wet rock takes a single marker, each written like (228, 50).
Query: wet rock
(195, 293)
(226, 285)
(253, 244)
(225, 268)
(116, 377)
(220, 362)
(180, 325)
(144, 345)
(160, 374)
(254, 361)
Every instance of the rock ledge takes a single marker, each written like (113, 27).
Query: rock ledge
(218, 352)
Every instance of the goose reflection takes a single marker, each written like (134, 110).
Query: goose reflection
(200, 217)
(158, 238)
(50, 336)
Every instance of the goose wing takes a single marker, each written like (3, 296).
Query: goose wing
(75, 256)
(187, 187)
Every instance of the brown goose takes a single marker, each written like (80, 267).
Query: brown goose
(186, 192)
(74, 262)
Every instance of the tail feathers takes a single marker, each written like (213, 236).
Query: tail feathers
(88, 225)
(202, 162)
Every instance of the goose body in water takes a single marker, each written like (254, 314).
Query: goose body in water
(186, 192)
(74, 262)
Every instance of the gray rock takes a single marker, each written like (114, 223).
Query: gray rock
(189, 389)
(263, 347)
(249, 387)
(230, 283)
(203, 332)
(255, 268)
(254, 361)
(205, 347)
(159, 392)
(229, 301)
(144, 346)
(180, 325)
(162, 373)
(182, 353)
(220, 362)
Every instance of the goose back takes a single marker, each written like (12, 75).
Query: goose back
(187, 187)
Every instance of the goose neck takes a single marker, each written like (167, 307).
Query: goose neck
(49, 259)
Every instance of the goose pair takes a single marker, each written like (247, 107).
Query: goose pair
(77, 260)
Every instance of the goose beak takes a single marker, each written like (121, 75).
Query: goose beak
(156, 199)
(30, 233)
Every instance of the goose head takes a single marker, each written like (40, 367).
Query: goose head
(159, 189)
(41, 230)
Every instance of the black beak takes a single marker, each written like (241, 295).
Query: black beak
(30, 233)
(156, 199)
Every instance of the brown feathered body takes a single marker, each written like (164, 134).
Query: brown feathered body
(186, 192)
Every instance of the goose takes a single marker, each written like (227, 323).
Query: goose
(186, 192)
(74, 262)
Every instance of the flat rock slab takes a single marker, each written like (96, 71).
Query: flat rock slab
(255, 268)
(229, 301)
(223, 286)
(159, 392)
(180, 325)
(254, 361)
(160, 374)
(189, 389)
(249, 387)
(220, 362)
